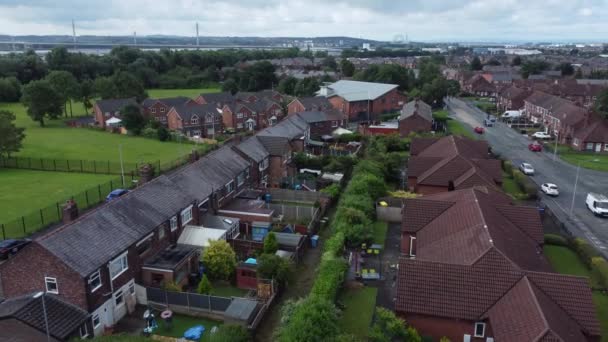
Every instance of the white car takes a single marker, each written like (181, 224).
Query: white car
(550, 189)
(527, 169)
(541, 135)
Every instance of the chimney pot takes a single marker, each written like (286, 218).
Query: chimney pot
(146, 173)
(70, 211)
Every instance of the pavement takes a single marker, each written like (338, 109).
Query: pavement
(570, 205)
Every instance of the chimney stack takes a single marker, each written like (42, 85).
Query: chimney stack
(70, 211)
(146, 173)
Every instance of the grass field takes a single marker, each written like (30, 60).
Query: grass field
(359, 310)
(597, 162)
(226, 290)
(566, 261)
(57, 141)
(380, 229)
(456, 128)
(182, 323)
(192, 93)
(23, 190)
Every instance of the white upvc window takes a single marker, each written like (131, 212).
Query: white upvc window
(95, 281)
(119, 298)
(161, 233)
(153, 110)
(240, 179)
(186, 215)
(229, 187)
(95, 320)
(51, 285)
(480, 329)
(194, 120)
(118, 266)
(264, 164)
(173, 223)
(239, 115)
(162, 109)
(412, 246)
(84, 331)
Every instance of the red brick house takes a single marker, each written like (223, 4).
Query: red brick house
(253, 150)
(473, 270)
(416, 117)
(309, 104)
(157, 109)
(443, 164)
(593, 137)
(479, 86)
(322, 122)
(558, 116)
(107, 109)
(363, 101)
(195, 120)
(512, 98)
(251, 116)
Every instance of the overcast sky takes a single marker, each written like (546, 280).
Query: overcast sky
(421, 20)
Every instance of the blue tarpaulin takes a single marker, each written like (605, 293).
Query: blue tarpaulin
(194, 333)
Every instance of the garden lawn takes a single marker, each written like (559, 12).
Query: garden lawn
(22, 191)
(380, 229)
(181, 323)
(456, 128)
(227, 290)
(359, 309)
(192, 93)
(57, 141)
(566, 261)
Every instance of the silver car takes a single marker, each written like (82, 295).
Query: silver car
(527, 169)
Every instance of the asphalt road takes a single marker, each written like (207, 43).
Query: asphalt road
(511, 145)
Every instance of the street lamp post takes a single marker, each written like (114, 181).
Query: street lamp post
(555, 149)
(122, 168)
(578, 168)
(46, 320)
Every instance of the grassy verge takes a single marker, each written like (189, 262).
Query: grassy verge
(359, 310)
(162, 93)
(380, 229)
(457, 128)
(182, 323)
(511, 187)
(565, 261)
(23, 190)
(597, 162)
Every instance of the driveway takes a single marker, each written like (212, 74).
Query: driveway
(513, 146)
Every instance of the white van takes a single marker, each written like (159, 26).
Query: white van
(598, 204)
(511, 114)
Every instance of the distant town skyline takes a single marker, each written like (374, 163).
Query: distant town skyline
(420, 20)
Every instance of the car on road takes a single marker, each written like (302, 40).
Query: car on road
(541, 135)
(550, 189)
(488, 123)
(478, 130)
(597, 203)
(511, 114)
(535, 147)
(526, 168)
(115, 194)
(11, 246)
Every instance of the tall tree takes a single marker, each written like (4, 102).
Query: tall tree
(105, 88)
(41, 101)
(128, 85)
(288, 85)
(66, 86)
(219, 260)
(231, 86)
(307, 86)
(11, 136)
(86, 93)
(566, 68)
(133, 119)
(347, 68)
(271, 245)
(204, 286)
(10, 89)
(476, 64)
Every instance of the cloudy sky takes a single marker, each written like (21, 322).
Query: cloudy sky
(421, 20)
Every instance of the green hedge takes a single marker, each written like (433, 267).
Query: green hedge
(507, 166)
(585, 251)
(525, 184)
(557, 240)
(599, 266)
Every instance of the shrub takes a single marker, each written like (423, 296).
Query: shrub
(204, 286)
(172, 286)
(230, 333)
(330, 276)
(367, 183)
(271, 245)
(585, 251)
(219, 260)
(556, 240)
(599, 267)
(312, 320)
(333, 191)
(388, 327)
(507, 166)
(272, 266)
(335, 245)
(525, 184)
(360, 202)
(149, 132)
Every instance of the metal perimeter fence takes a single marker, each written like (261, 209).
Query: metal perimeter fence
(35, 220)
(67, 165)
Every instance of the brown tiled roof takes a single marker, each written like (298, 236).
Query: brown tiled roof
(453, 145)
(420, 144)
(418, 165)
(517, 305)
(566, 111)
(459, 227)
(527, 219)
(594, 132)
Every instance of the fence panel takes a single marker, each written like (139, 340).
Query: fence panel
(67, 165)
(192, 300)
(199, 301)
(220, 303)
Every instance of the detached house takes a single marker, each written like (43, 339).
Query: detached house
(451, 163)
(473, 270)
(195, 120)
(309, 104)
(158, 109)
(108, 109)
(363, 101)
(416, 117)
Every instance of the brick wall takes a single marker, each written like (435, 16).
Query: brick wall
(437, 327)
(276, 170)
(414, 124)
(173, 121)
(25, 272)
(295, 107)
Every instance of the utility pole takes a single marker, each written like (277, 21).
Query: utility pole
(578, 168)
(122, 168)
(197, 34)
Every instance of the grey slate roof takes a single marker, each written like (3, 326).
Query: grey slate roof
(417, 107)
(63, 318)
(219, 98)
(319, 102)
(319, 116)
(288, 239)
(186, 111)
(100, 235)
(253, 148)
(290, 128)
(168, 101)
(275, 145)
(114, 105)
(359, 91)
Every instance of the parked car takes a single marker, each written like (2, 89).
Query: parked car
(488, 123)
(541, 135)
(478, 130)
(549, 189)
(115, 194)
(598, 204)
(11, 246)
(527, 169)
(535, 147)
(511, 114)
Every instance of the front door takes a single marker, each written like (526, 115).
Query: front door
(108, 313)
(598, 147)
(250, 125)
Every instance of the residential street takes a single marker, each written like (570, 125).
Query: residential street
(509, 144)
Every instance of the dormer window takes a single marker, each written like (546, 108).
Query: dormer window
(194, 120)
(209, 119)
